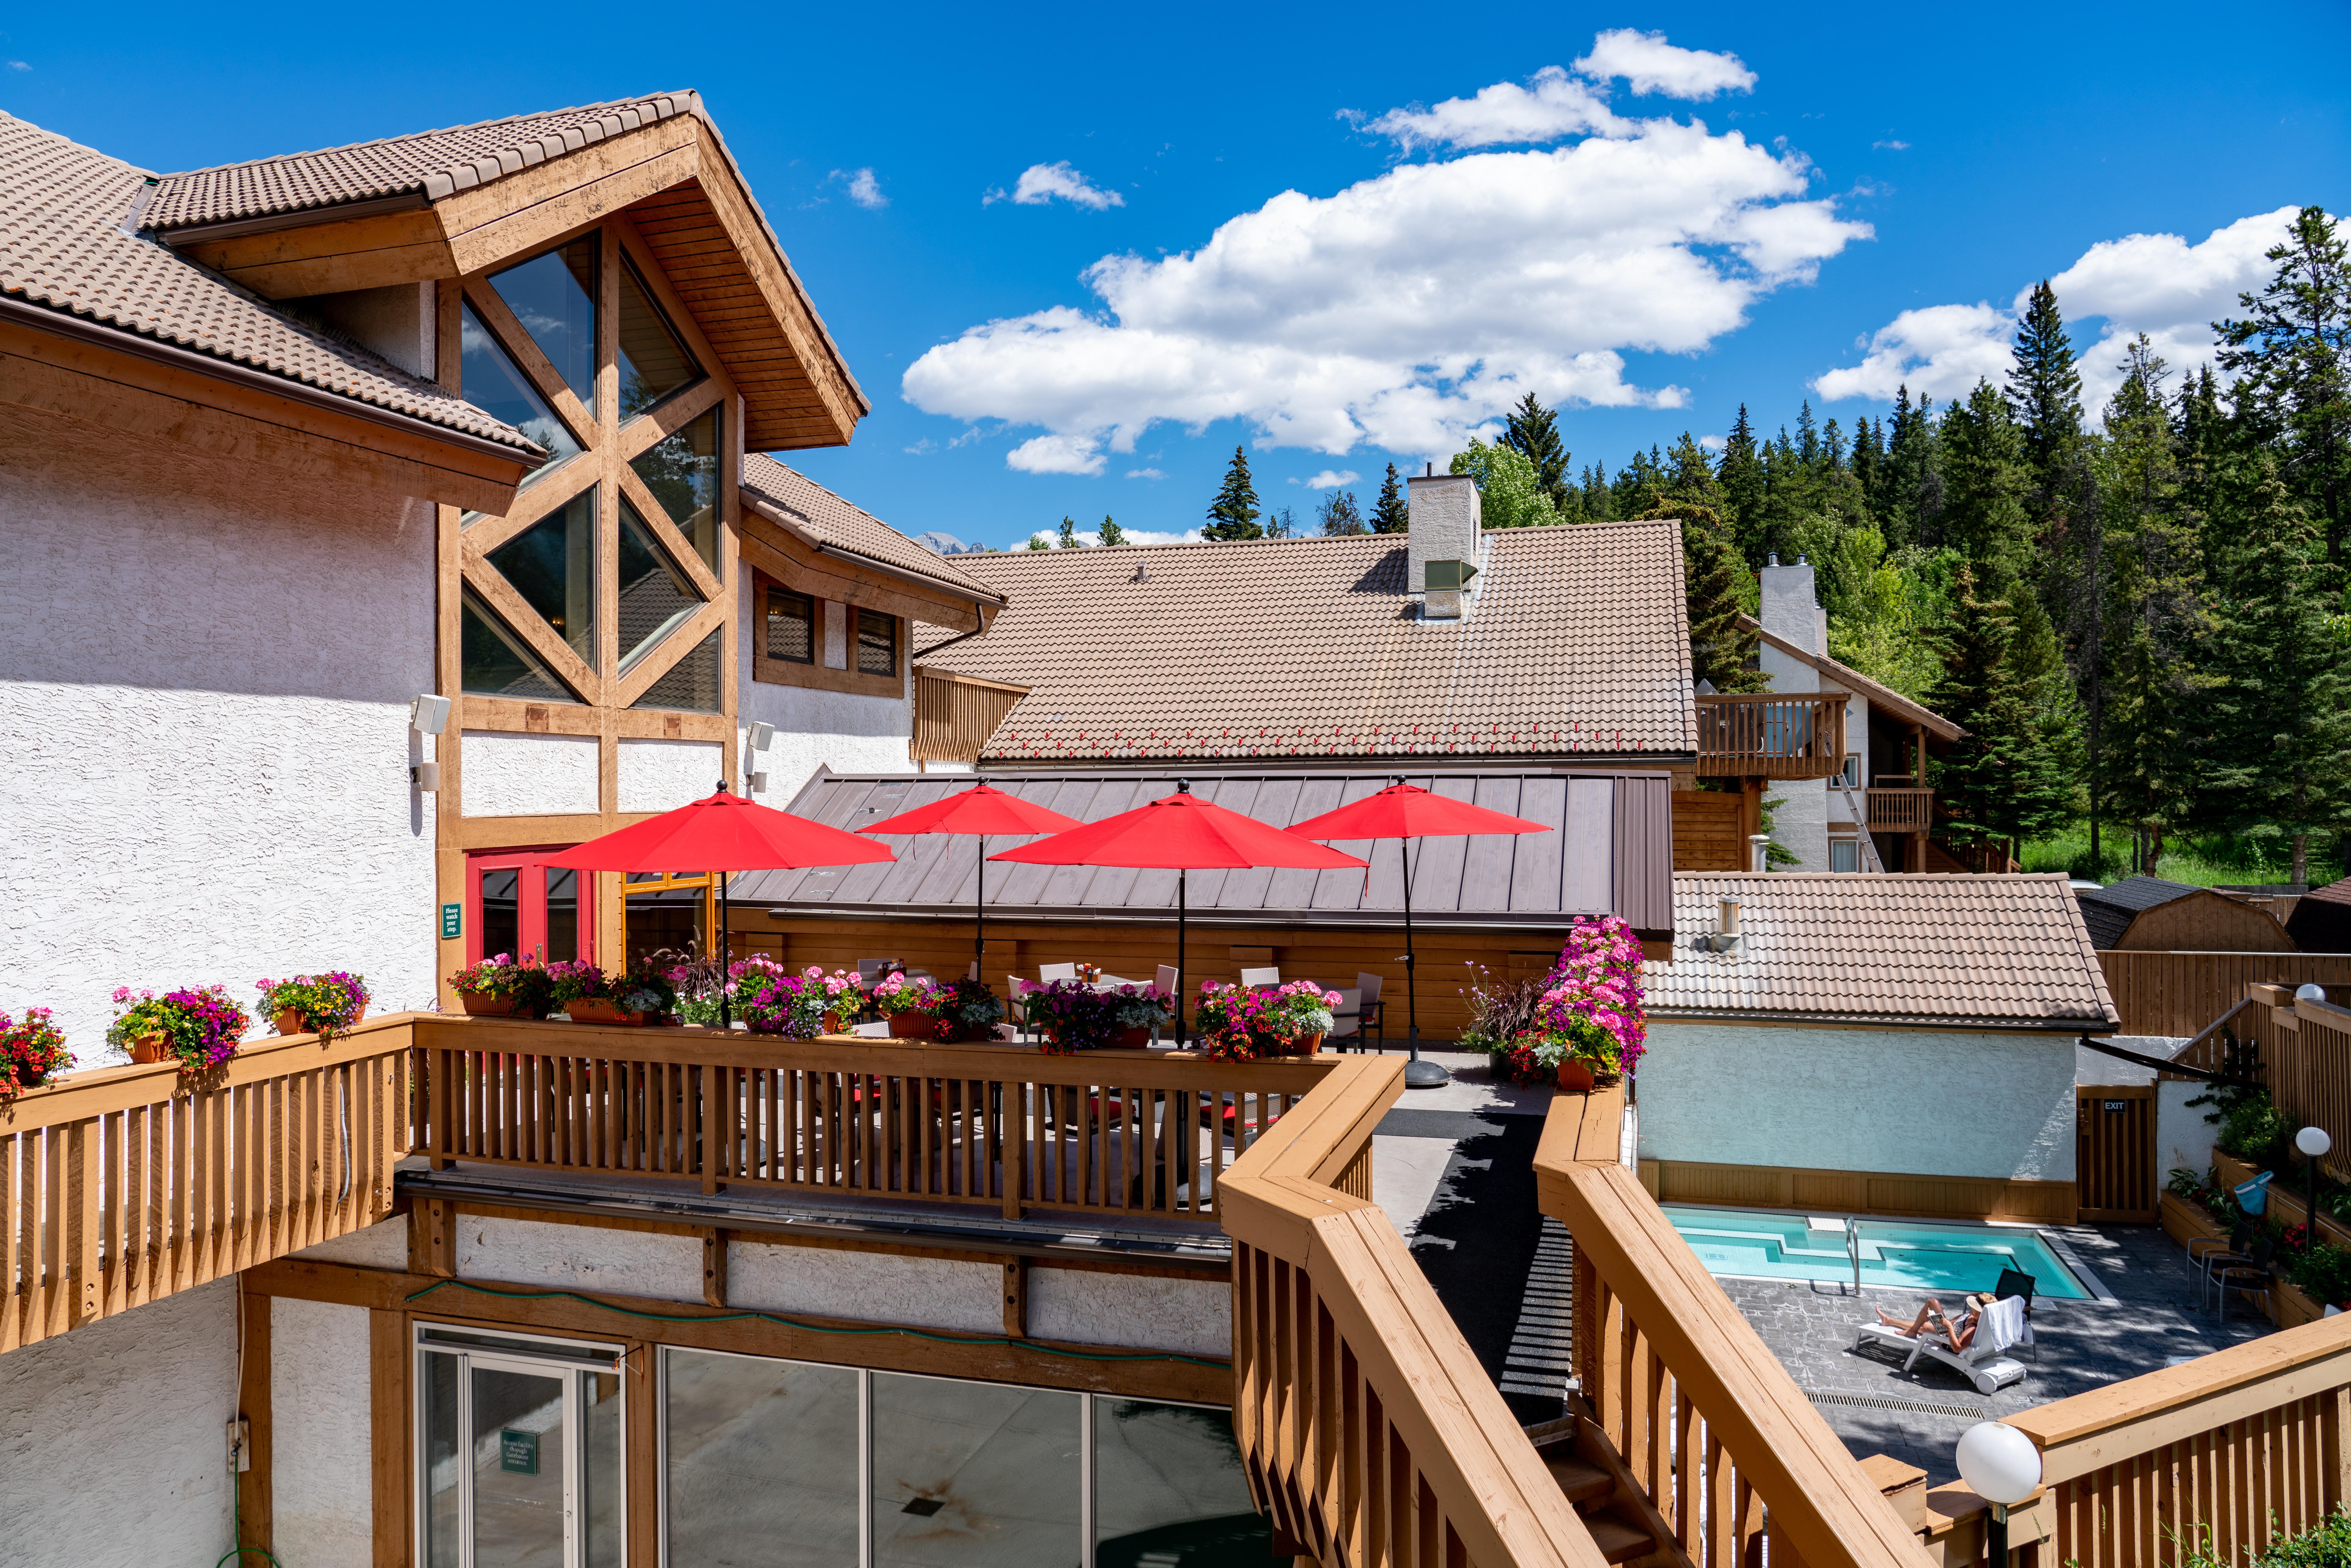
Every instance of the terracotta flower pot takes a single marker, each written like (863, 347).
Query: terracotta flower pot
(489, 1007)
(148, 1050)
(289, 1021)
(603, 1009)
(911, 1025)
(1303, 1045)
(1575, 1077)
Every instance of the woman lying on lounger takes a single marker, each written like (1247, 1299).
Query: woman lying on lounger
(1932, 1319)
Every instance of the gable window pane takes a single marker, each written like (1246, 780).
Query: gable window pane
(656, 596)
(552, 564)
(792, 626)
(653, 363)
(877, 644)
(497, 664)
(681, 471)
(554, 296)
(496, 384)
(691, 684)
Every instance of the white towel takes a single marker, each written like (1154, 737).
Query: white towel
(2000, 1325)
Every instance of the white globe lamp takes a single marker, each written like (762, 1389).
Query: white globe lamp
(2310, 993)
(2001, 1466)
(2313, 1142)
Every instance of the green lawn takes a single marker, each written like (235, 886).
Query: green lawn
(2201, 863)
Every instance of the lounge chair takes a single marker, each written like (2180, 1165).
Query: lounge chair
(2025, 1287)
(1261, 977)
(1984, 1361)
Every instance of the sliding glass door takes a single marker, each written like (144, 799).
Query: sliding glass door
(521, 1452)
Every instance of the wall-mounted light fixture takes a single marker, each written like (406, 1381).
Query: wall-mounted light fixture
(429, 714)
(424, 776)
(760, 734)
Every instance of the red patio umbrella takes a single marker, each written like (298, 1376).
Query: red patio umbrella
(722, 834)
(978, 811)
(1182, 833)
(1404, 811)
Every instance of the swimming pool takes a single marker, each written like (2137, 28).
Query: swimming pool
(1899, 1254)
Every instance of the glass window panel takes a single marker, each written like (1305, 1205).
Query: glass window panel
(792, 626)
(762, 1461)
(669, 920)
(681, 471)
(691, 684)
(973, 1474)
(653, 363)
(496, 384)
(656, 596)
(552, 564)
(554, 297)
(877, 644)
(519, 1464)
(498, 663)
(444, 1529)
(501, 912)
(1845, 854)
(1169, 1489)
(600, 1427)
(562, 913)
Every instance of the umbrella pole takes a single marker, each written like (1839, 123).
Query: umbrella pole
(726, 1003)
(980, 915)
(1418, 1075)
(1183, 1038)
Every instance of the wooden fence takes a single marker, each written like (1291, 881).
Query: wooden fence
(2305, 1060)
(954, 715)
(122, 1185)
(2174, 993)
(999, 1125)
(1763, 735)
(1901, 810)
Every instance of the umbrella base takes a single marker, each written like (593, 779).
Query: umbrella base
(1419, 1075)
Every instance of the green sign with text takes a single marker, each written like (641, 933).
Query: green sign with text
(518, 1452)
(452, 921)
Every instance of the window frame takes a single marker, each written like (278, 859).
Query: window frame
(530, 901)
(857, 625)
(817, 675)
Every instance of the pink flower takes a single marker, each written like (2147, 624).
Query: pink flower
(816, 971)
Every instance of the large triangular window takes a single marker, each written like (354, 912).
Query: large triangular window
(498, 663)
(553, 295)
(653, 359)
(495, 385)
(552, 564)
(691, 684)
(681, 471)
(656, 595)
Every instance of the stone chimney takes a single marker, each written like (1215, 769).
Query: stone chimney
(1445, 521)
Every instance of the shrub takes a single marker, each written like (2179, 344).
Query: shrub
(2326, 1545)
(646, 987)
(2324, 1273)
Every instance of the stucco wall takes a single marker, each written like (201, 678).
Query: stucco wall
(1914, 1102)
(204, 676)
(510, 775)
(1194, 1317)
(662, 775)
(579, 1257)
(321, 1495)
(882, 1287)
(845, 731)
(114, 1437)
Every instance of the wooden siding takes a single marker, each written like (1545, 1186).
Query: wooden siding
(954, 715)
(1709, 830)
(1859, 1192)
(2205, 921)
(2182, 994)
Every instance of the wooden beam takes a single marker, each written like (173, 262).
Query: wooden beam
(432, 1238)
(1016, 1297)
(769, 548)
(527, 211)
(331, 257)
(388, 1401)
(257, 1526)
(714, 1268)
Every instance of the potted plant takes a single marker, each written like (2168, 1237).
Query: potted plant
(798, 1007)
(967, 1009)
(501, 988)
(1596, 982)
(1068, 1015)
(1578, 1053)
(642, 997)
(582, 992)
(911, 1007)
(1297, 1016)
(201, 1027)
(31, 1049)
(314, 1004)
(1135, 1011)
(1227, 1018)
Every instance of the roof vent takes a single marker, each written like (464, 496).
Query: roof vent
(1449, 585)
(1141, 573)
(1725, 937)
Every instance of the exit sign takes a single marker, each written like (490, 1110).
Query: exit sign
(452, 921)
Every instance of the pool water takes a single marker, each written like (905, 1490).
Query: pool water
(1898, 1254)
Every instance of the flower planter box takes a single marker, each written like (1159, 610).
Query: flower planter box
(2294, 1307)
(289, 1021)
(488, 1007)
(2184, 1221)
(914, 1026)
(601, 1009)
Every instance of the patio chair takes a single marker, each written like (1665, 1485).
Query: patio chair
(2250, 1277)
(1049, 973)
(1261, 977)
(1362, 1015)
(1014, 987)
(2219, 1255)
(1985, 1362)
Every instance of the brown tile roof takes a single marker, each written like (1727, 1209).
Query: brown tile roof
(1578, 647)
(1981, 951)
(801, 504)
(429, 164)
(63, 247)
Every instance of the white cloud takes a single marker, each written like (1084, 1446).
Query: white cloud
(1711, 443)
(1407, 309)
(1505, 113)
(1329, 480)
(1088, 539)
(18, 66)
(1893, 146)
(1650, 64)
(863, 188)
(1144, 473)
(2158, 284)
(1040, 183)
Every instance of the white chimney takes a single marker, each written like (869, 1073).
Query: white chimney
(1791, 607)
(1445, 521)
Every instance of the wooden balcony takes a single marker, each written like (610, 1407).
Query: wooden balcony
(1764, 736)
(1900, 810)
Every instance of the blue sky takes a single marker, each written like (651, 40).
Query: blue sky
(1575, 231)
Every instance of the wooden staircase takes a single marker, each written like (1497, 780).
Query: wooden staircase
(1593, 1480)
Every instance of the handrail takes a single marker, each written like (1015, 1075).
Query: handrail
(1902, 808)
(1370, 1433)
(1771, 735)
(1707, 1419)
(123, 1185)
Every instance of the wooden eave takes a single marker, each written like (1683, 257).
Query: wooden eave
(674, 181)
(773, 547)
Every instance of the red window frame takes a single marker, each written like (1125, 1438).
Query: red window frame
(530, 901)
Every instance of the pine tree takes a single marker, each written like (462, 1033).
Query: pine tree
(1868, 465)
(1234, 513)
(1712, 572)
(1913, 508)
(2044, 392)
(1281, 523)
(1740, 474)
(1338, 514)
(2001, 780)
(1391, 514)
(2281, 746)
(1112, 534)
(1984, 479)
(1599, 501)
(1039, 541)
(1533, 430)
(2292, 386)
(1068, 538)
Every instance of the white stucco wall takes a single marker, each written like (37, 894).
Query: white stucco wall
(205, 670)
(662, 775)
(880, 1287)
(114, 1437)
(384, 1245)
(322, 1497)
(2183, 1139)
(579, 1258)
(1914, 1102)
(845, 731)
(1194, 1317)
(527, 775)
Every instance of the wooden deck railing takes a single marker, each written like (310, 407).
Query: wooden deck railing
(1762, 736)
(1371, 1435)
(2238, 1442)
(1901, 810)
(1124, 1132)
(124, 1185)
(2305, 1060)
(1727, 1450)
